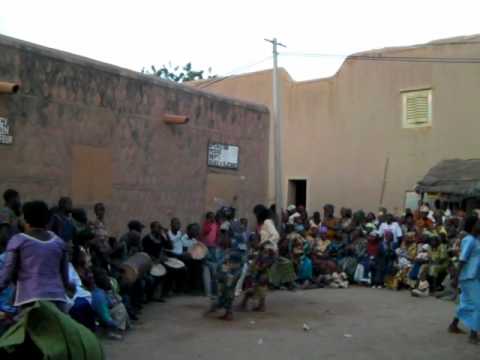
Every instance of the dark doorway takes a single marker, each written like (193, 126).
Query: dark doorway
(297, 192)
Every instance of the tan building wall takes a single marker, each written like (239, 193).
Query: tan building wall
(96, 132)
(340, 131)
(257, 88)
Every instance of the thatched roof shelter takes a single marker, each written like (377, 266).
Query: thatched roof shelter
(456, 177)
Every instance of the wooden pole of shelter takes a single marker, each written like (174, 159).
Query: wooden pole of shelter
(384, 182)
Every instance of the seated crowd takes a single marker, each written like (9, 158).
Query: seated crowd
(417, 251)
(58, 254)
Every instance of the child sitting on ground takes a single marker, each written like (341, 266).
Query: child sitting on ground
(423, 287)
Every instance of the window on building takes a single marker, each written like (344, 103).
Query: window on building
(417, 108)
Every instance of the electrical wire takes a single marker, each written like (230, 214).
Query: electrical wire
(232, 73)
(417, 59)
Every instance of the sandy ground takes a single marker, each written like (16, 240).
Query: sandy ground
(356, 323)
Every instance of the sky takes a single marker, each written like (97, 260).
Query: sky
(228, 36)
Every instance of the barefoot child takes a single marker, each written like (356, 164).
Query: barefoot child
(227, 278)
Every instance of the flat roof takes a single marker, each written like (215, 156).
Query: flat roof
(117, 70)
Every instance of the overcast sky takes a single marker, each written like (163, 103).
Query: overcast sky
(228, 35)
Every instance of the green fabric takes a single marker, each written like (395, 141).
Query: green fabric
(55, 334)
(281, 272)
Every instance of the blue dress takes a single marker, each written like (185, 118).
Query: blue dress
(468, 310)
(306, 269)
(7, 295)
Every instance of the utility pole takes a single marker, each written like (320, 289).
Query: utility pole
(278, 134)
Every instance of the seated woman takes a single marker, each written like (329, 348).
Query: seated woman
(321, 262)
(315, 223)
(348, 264)
(282, 272)
(439, 260)
(38, 260)
(361, 255)
(406, 254)
(321, 244)
(80, 302)
(110, 311)
(296, 243)
(337, 248)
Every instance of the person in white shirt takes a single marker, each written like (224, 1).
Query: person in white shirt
(390, 225)
(175, 236)
(178, 277)
(190, 238)
(79, 302)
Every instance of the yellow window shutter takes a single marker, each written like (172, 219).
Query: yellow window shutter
(417, 108)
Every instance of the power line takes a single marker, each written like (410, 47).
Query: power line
(232, 72)
(445, 60)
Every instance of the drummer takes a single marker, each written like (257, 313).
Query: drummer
(126, 246)
(194, 267)
(178, 277)
(175, 236)
(154, 244)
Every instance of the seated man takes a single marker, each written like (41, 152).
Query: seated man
(155, 244)
(126, 246)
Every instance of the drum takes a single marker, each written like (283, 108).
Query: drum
(174, 263)
(198, 251)
(135, 267)
(158, 270)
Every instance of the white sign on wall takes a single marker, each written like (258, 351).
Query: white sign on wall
(223, 156)
(5, 134)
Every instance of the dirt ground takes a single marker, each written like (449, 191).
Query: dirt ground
(356, 323)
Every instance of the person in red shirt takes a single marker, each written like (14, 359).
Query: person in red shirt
(210, 231)
(209, 236)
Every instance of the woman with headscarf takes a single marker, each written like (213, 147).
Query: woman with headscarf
(267, 248)
(315, 223)
(37, 261)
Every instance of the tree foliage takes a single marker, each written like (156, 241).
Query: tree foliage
(179, 74)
